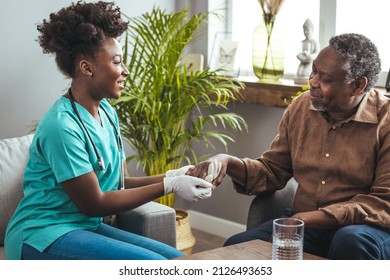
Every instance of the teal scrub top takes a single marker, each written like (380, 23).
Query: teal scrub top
(61, 150)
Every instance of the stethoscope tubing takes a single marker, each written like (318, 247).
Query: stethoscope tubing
(118, 138)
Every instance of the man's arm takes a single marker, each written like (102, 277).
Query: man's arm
(317, 219)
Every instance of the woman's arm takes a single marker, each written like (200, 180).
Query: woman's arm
(135, 182)
(85, 192)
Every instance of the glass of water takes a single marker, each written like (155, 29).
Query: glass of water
(287, 239)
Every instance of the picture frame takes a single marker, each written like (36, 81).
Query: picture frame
(193, 62)
(223, 55)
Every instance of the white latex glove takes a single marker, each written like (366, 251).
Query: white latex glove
(176, 172)
(213, 171)
(188, 187)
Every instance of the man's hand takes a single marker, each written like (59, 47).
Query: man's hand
(212, 170)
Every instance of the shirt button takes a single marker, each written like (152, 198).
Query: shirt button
(327, 154)
(323, 182)
(333, 127)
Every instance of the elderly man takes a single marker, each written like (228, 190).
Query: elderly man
(334, 140)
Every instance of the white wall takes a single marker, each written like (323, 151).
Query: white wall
(29, 79)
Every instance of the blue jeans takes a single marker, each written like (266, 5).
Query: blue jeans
(354, 242)
(105, 243)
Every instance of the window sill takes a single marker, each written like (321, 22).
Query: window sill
(276, 94)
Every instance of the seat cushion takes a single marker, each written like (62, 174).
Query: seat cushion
(13, 160)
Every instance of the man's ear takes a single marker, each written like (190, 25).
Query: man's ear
(86, 68)
(360, 85)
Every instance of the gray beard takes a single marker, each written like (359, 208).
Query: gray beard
(319, 108)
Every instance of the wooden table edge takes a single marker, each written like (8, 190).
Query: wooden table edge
(251, 250)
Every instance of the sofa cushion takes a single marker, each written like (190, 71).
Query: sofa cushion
(13, 160)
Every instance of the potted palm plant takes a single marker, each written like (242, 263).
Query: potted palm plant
(164, 108)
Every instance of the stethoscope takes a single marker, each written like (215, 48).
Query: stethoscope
(117, 136)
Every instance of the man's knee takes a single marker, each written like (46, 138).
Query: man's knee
(354, 242)
(237, 238)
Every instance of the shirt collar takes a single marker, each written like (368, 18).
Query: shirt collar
(367, 111)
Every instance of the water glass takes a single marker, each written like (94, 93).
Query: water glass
(287, 239)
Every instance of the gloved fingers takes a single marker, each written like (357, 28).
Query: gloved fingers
(191, 188)
(183, 170)
(213, 170)
(177, 172)
(217, 168)
(210, 172)
(199, 170)
(170, 173)
(200, 183)
(202, 194)
(205, 195)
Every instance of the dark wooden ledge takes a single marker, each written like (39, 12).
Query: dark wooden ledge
(275, 94)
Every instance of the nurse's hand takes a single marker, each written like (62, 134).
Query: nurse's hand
(188, 187)
(212, 170)
(177, 172)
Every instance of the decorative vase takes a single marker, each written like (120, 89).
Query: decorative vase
(268, 50)
(185, 241)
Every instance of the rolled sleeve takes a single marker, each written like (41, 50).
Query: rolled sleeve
(254, 180)
(372, 209)
(346, 213)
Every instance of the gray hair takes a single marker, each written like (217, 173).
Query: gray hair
(361, 57)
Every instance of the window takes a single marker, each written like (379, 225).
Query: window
(328, 16)
(247, 14)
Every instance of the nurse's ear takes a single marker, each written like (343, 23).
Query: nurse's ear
(86, 67)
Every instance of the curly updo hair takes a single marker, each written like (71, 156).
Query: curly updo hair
(79, 30)
(361, 57)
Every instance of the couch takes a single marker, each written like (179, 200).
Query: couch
(152, 219)
(270, 206)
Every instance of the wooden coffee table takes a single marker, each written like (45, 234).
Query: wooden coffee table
(251, 250)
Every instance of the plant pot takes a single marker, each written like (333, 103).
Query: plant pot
(185, 241)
